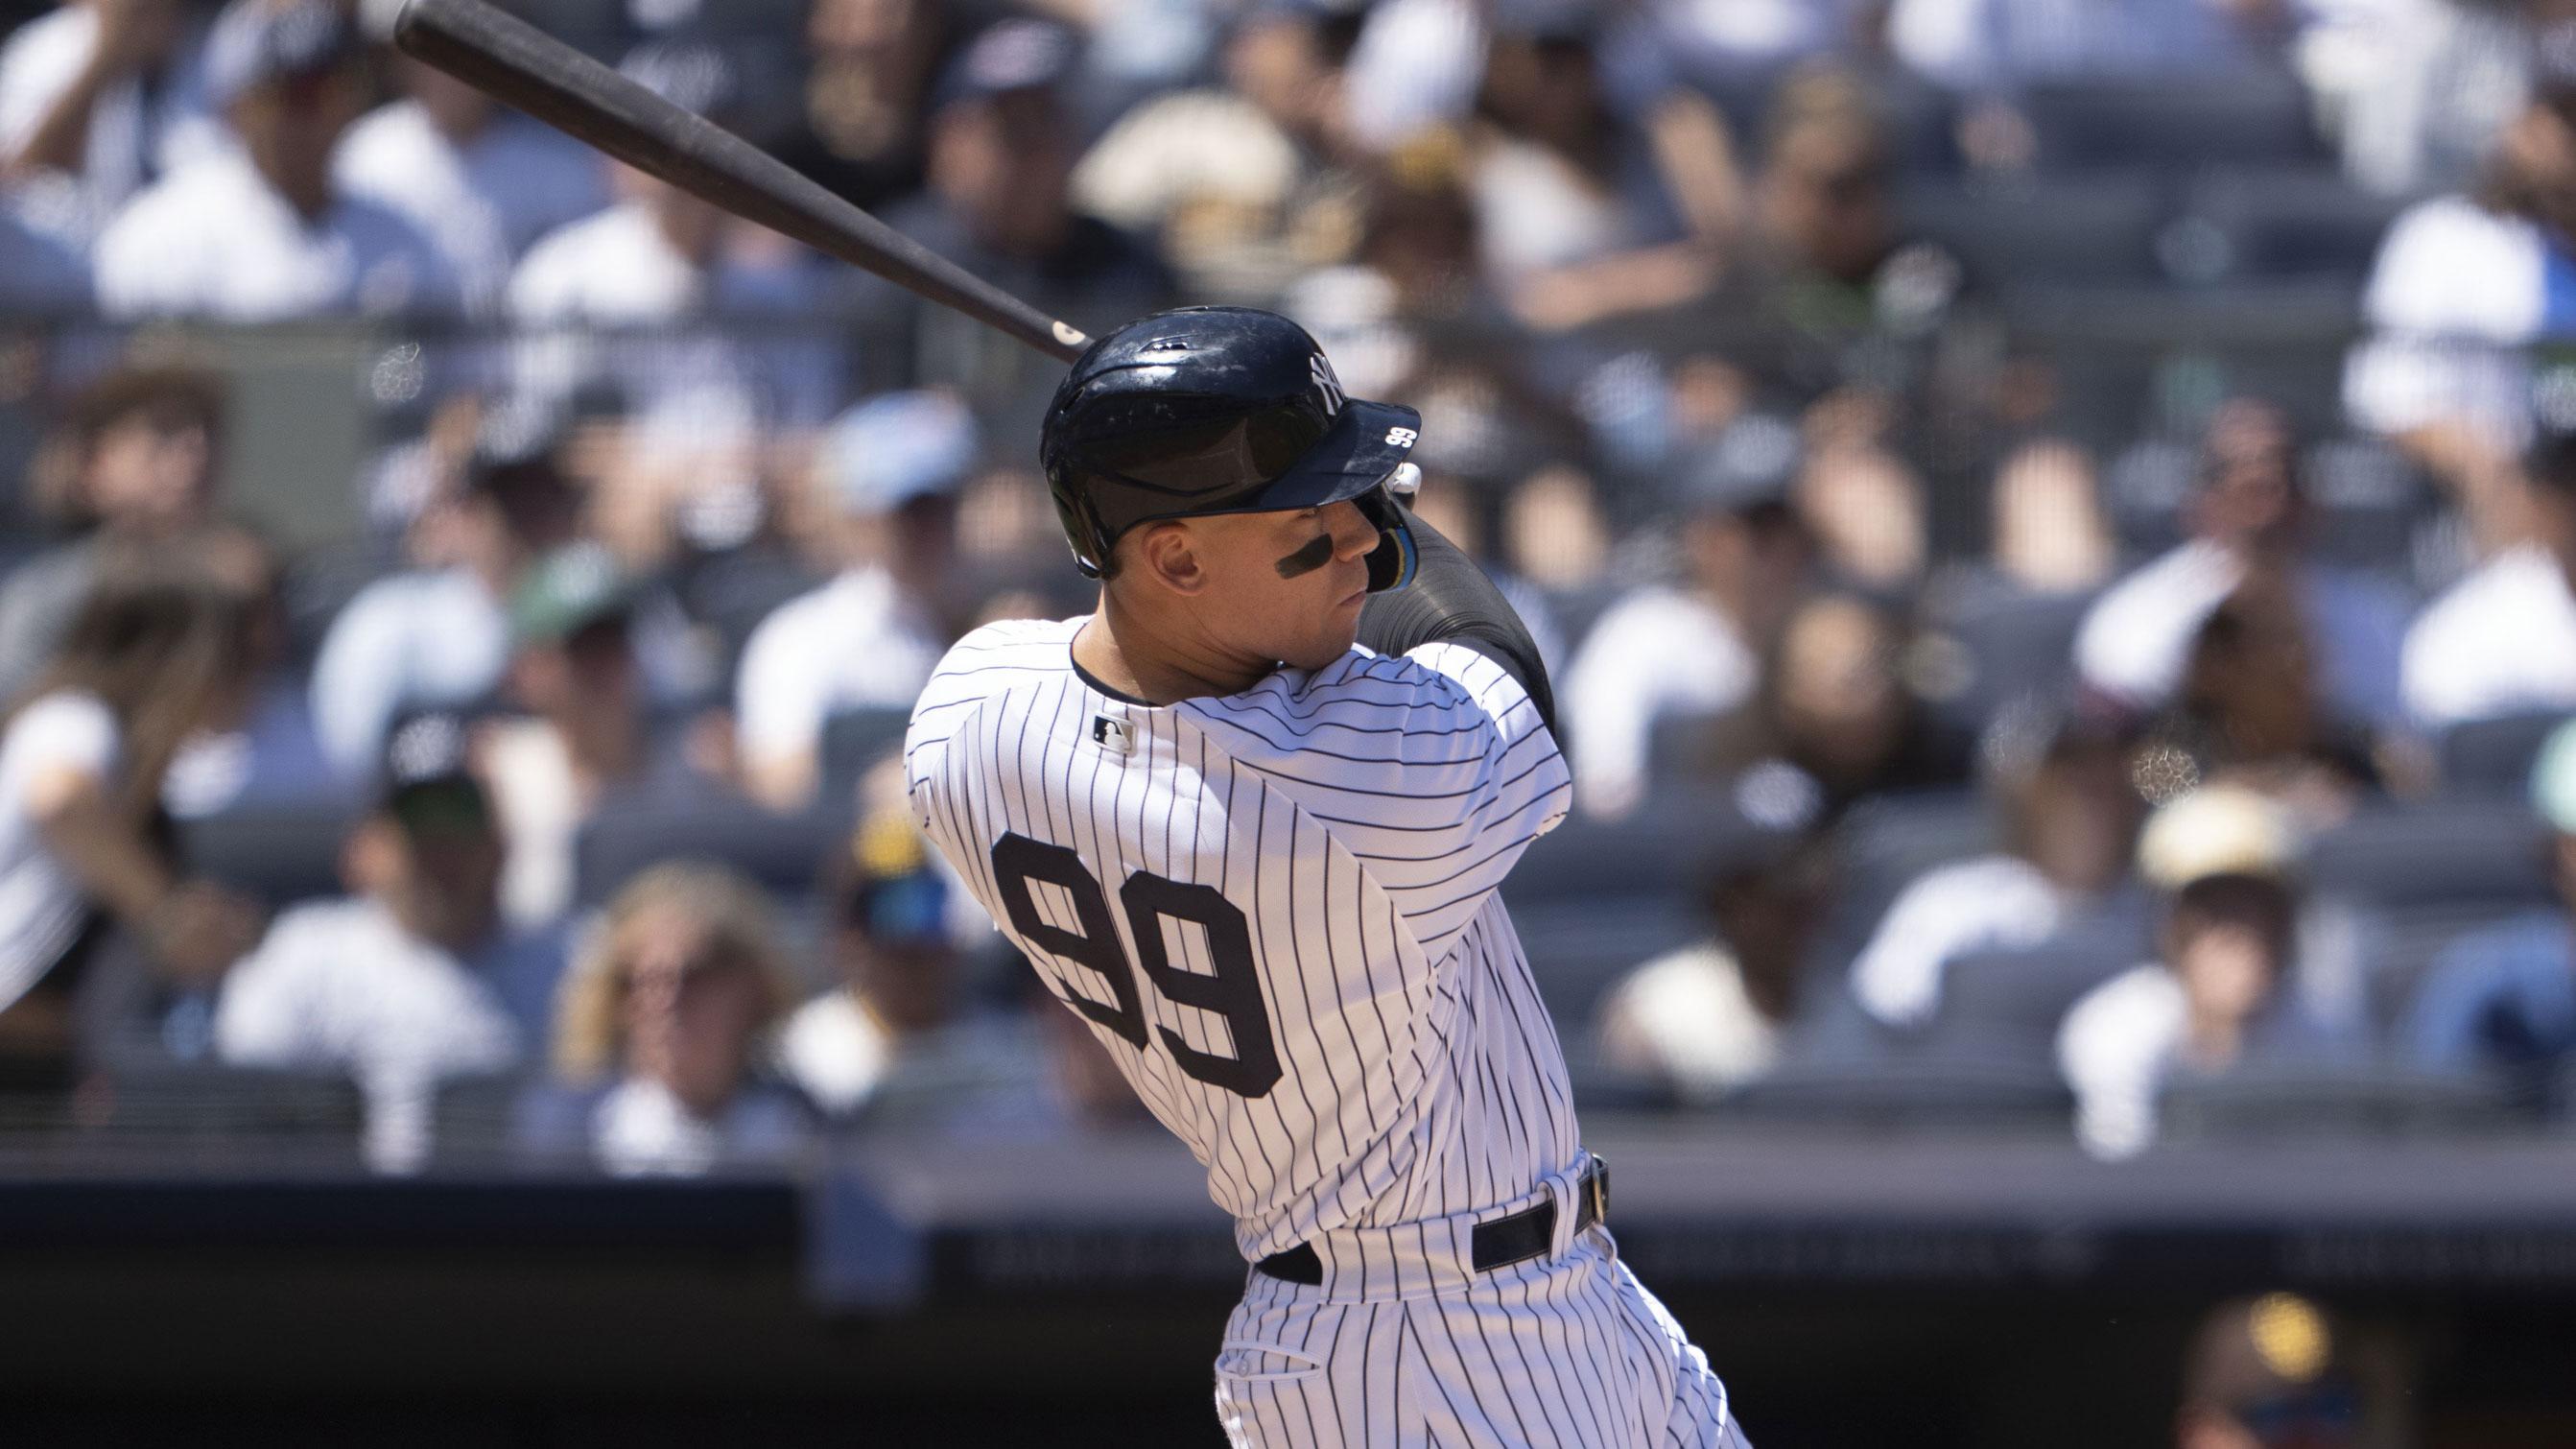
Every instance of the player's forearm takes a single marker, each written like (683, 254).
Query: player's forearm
(1451, 601)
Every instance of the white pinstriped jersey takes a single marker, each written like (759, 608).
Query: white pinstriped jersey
(1277, 909)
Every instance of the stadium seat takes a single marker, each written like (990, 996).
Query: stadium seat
(2307, 222)
(2310, 1099)
(2238, 118)
(474, 1121)
(280, 853)
(2365, 503)
(2019, 997)
(2014, 233)
(2009, 643)
(782, 853)
(2494, 756)
(2443, 852)
(1891, 839)
(250, 1112)
(855, 740)
(1906, 1094)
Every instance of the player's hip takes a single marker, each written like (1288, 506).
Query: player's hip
(1570, 1351)
(1459, 1253)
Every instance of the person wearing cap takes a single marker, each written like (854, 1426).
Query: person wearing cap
(2270, 1372)
(2502, 640)
(890, 469)
(479, 179)
(897, 967)
(2225, 863)
(262, 233)
(1710, 1017)
(100, 96)
(2503, 999)
(2247, 517)
(439, 637)
(412, 978)
(1001, 157)
(2057, 775)
(1694, 646)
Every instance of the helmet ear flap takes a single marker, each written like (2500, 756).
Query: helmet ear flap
(1392, 563)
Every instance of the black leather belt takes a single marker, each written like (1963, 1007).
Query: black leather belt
(1518, 1238)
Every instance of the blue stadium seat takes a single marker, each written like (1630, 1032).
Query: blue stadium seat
(2007, 643)
(2012, 234)
(855, 740)
(162, 1106)
(2365, 504)
(2298, 1099)
(2238, 118)
(1906, 1094)
(280, 853)
(2307, 222)
(2017, 998)
(2439, 853)
(2494, 756)
(782, 853)
(1891, 839)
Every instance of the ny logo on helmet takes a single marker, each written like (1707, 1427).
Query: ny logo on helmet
(1331, 386)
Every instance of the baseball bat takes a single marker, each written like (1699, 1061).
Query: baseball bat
(515, 62)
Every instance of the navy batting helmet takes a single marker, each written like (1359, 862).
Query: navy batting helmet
(1218, 410)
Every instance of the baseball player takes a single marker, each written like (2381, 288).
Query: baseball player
(1249, 819)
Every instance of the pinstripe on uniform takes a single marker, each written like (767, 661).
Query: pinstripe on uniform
(1356, 821)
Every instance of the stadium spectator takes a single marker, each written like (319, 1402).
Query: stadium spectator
(2247, 515)
(413, 978)
(438, 637)
(2464, 286)
(2502, 640)
(1585, 213)
(2502, 999)
(1002, 153)
(1869, 516)
(658, 1042)
(872, 62)
(105, 95)
(890, 468)
(1694, 647)
(2219, 992)
(2252, 710)
(1708, 1018)
(2058, 776)
(2272, 1373)
(1248, 184)
(134, 459)
(480, 180)
(897, 968)
(1834, 704)
(171, 641)
(2048, 536)
(260, 232)
(662, 260)
(586, 743)
(1414, 69)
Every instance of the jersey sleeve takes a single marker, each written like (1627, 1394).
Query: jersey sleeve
(1433, 770)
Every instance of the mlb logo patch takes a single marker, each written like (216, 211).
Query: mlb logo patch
(1111, 734)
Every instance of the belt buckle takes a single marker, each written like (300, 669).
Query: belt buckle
(1596, 1187)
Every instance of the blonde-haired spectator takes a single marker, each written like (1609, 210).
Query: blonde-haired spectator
(661, 1026)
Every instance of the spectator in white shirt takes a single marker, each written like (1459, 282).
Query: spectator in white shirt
(261, 233)
(1706, 1019)
(172, 641)
(1695, 646)
(660, 1039)
(2503, 640)
(889, 939)
(2465, 286)
(664, 262)
(413, 979)
(481, 180)
(2246, 515)
(890, 469)
(102, 96)
(2060, 778)
(2218, 993)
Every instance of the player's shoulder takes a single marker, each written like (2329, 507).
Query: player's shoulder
(1368, 721)
(997, 658)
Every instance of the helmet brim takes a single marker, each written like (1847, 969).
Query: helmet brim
(1362, 450)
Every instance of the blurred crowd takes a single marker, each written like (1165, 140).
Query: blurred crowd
(2053, 525)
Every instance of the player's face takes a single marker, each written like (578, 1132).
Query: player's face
(1287, 586)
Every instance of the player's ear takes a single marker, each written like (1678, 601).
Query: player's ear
(1170, 554)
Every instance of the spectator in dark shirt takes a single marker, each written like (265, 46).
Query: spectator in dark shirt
(872, 65)
(2503, 999)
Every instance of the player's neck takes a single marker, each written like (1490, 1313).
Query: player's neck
(1126, 650)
